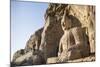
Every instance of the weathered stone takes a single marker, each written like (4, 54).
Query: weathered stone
(22, 59)
(30, 58)
(52, 60)
(34, 41)
(51, 35)
(86, 15)
(18, 54)
(73, 44)
(44, 43)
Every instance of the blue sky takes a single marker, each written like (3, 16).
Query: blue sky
(26, 18)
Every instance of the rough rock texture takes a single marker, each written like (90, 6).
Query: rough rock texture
(47, 39)
(54, 60)
(73, 44)
(18, 54)
(34, 41)
(23, 59)
(51, 35)
(29, 58)
(86, 15)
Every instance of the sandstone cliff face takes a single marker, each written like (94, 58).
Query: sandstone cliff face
(34, 41)
(51, 35)
(86, 15)
(47, 39)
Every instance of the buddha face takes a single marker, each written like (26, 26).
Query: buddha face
(65, 23)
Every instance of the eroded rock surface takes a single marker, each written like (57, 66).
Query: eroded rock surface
(18, 54)
(34, 41)
(46, 40)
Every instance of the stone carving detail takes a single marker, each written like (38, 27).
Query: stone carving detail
(72, 44)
